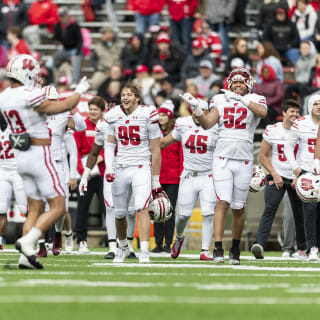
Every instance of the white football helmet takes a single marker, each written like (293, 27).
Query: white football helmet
(160, 209)
(51, 93)
(25, 69)
(240, 74)
(308, 187)
(258, 180)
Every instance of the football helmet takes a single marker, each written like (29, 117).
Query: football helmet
(240, 74)
(51, 93)
(308, 187)
(160, 209)
(25, 69)
(258, 180)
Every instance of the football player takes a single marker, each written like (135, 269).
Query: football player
(24, 107)
(135, 130)
(304, 132)
(196, 179)
(279, 180)
(10, 181)
(237, 113)
(99, 143)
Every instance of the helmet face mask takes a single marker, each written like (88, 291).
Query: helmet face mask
(240, 74)
(160, 209)
(25, 69)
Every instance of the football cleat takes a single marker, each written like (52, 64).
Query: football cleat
(24, 247)
(121, 254)
(132, 255)
(206, 255)
(234, 256)
(313, 254)
(300, 254)
(57, 244)
(257, 251)
(110, 255)
(218, 255)
(42, 253)
(1, 247)
(166, 248)
(286, 254)
(176, 247)
(83, 248)
(23, 263)
(68, 242)
(157, 249)
(144, 257)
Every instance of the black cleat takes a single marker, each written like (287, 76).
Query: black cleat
(234, 256)
(218, 255)
(32, 258)
(157, 249)
(132, 255)
(110, 255)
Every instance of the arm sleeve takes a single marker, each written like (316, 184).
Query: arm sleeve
(80, 124)
(99, 134)
(36, 98)
(71, 147)
(153, 125)
(176, 132)
(289, 146)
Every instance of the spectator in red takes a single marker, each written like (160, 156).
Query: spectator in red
(147, 13)
(17, 44)
(84, 141)
(171, 168)
(274, 91)
(43, 15)
(181, 20)
(168, 55)
(211, 40)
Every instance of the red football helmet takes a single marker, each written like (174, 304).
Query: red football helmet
(240, 74)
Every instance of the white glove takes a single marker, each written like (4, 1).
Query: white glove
(83, 86)
(194, 103)
(229, 95)
(83, 186)
(316, 166)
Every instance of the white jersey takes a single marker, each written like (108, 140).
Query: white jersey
(133, 133)
(17, 106)
(57, 124)
(102, 130)
(276, 135)
(304, 132)
(197, 144)
(7, 157)
(236, 126)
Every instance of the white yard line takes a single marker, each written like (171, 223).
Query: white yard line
(157, 299)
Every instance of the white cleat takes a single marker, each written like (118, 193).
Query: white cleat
(24, 263)
(286, 254)
(26, 248)
(68, 242)
(300, 254)
(121, 254)
(144, 257)
(313, 255)
(83, 248)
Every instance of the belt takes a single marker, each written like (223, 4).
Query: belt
(197, 173)
(40, 142)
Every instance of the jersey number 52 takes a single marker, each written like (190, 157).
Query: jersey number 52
(234, 118)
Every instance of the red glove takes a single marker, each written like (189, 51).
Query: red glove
(110, 177)
(156, 192)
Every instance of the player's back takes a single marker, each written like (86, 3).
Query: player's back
(133, 134)
(17, 106)
(236, 126)
(197, 144)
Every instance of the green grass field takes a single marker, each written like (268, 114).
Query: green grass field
(90, 287)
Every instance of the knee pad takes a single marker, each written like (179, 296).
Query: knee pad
(237, 205)
(120, 213)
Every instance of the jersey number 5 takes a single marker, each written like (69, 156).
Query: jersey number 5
(233, 118)
(129, 135)
(197, 144)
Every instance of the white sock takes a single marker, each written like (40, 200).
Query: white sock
(144, 245)
(207, 231)
(1, 240)
(112, 246)
(181, 222)
(130, 244)
(123, 243)
(41, 241)
(68, 232)
(33, 235)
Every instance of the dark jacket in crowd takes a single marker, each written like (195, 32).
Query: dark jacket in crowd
(282, 34)
(69, 36)
(171, 64)
(13, 15)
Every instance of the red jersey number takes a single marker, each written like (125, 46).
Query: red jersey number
(197, 144)
(311, 144)
(5, 150)
(233, 118)
(15, 121)
(282, 156)
(129, 135)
